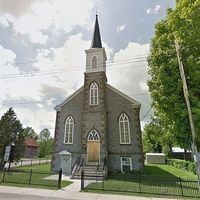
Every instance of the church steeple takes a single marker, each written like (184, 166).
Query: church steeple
(96, 55)
(96, 41)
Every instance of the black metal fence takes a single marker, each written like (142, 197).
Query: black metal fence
(141, 184)
(30, 177)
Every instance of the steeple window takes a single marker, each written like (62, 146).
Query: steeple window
(94, 62)
(94, 94)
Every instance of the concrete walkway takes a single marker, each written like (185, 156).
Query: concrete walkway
(70, 192)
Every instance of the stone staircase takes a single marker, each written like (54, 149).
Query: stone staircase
(91, 172)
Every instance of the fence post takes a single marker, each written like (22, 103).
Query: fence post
(181, 186)
(31, 162)
(102, 182)
(39, 161)
(140, 183)
(4, 173)
(21, 163)
(46, 160)
(60, 179)
(30, 177)
(82, 179)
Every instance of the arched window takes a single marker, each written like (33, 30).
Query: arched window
(124, 129)
(69, 130)
(93, 94)
(94, 62)
(93, 136)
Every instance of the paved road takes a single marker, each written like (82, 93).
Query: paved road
(7, 196)
(18, 193)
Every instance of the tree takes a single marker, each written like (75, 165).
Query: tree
(165, 85)
(151, 137)
(11, 131)
(30, 133)
(45, 143)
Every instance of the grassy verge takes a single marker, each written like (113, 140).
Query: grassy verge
(24, 177)
(167, 171)
(156, 180)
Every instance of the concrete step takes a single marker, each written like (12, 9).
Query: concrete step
(99, 178)
(90, 172)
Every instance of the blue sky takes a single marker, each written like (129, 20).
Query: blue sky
(42, 58)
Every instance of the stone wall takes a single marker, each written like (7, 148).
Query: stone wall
(94, 116)
(74, 107)
(116, 105)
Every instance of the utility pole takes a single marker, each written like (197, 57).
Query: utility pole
(185, 91)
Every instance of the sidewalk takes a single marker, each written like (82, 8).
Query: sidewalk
(70, 192)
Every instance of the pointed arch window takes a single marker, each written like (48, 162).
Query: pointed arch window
(93, 136)
(69, 130)
(94, 94)
(124, 129)
(94, 62)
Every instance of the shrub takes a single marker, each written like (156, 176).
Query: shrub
(182, 164)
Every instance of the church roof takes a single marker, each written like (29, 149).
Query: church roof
(96, 41)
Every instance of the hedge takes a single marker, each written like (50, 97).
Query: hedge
(182, 164)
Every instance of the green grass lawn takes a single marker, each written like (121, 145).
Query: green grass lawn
(167, 171)
(42, 167)
(157, 179)
(39, 172)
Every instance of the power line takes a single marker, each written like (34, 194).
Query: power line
(58, 71)
(55, 101)
(146, 114)
(111, 61)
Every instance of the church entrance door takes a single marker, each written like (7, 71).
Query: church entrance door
(93, 146)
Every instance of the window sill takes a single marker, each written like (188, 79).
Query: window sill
(67, 143)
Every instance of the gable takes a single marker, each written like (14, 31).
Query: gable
(59, 106)
(131, 100)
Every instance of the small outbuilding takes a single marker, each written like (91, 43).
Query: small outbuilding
(31, 148)
(155, 158)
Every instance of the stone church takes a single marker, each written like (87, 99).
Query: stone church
(98, 123)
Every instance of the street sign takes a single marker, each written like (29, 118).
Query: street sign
(7, 153)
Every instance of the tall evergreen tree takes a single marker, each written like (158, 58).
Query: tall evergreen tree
(11, 131)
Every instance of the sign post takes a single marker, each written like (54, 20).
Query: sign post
(9, 154)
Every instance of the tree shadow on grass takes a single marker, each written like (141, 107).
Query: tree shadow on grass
(156, 171)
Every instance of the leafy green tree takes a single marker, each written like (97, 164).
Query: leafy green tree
(30, 133)
(11, 131)
(157, 138)
(45, 143)
(165, 85)
(152, 137)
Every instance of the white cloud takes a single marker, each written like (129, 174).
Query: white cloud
(121, 28)
(129, 73)
(63, 73)
(63, 14)
(7, 56)
(154, 10)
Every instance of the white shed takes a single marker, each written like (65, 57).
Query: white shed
(157, 158)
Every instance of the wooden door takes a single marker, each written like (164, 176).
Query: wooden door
(93, 151)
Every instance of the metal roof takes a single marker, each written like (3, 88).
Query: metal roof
(96, 41)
